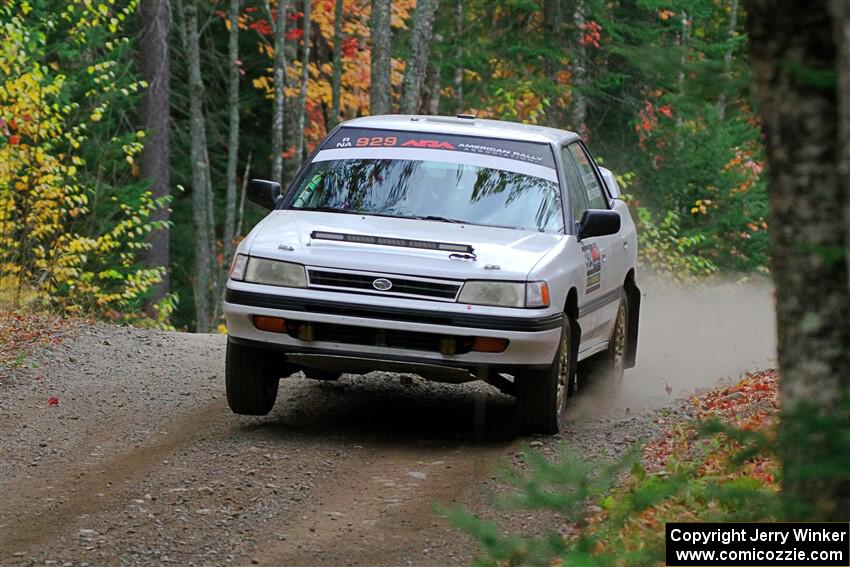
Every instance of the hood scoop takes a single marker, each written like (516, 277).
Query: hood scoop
(397, 242)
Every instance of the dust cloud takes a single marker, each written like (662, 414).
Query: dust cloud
(691, 339)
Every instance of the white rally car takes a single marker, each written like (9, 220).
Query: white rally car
(458, 249)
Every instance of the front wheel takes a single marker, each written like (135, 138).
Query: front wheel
(251, 378)
(542, 395)
(607, 368)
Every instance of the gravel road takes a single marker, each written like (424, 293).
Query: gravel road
(142, 463)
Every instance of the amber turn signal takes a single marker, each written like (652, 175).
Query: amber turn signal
(489, 344)
(271, 324)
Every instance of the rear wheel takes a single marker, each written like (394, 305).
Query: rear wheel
(251, 378)
(542, 395)
(607, 368)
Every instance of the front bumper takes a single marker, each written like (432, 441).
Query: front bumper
(533, 340)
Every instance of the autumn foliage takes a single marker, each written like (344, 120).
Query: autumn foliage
(49, 253)
(709, 468)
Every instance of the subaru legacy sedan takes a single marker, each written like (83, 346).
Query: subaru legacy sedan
(454, 248)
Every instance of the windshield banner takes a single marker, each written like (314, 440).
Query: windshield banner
(526, 152)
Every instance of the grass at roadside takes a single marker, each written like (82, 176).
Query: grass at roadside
(712, 468)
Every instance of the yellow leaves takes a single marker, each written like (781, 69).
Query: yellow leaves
(43, 195)
(701, 207)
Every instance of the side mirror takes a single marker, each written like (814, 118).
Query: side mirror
(610, 183)
(264, 193)
(598, 222)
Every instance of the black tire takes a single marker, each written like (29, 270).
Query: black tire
(606, 369)
(326, 375)
(542, 395)
(251, 379)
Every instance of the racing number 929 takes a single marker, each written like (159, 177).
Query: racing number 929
(376, 141)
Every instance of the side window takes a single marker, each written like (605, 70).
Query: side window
(595, 197)
(575, 187)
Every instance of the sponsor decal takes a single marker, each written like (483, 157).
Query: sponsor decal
(527, 152)
(593, 266)
(432, 144)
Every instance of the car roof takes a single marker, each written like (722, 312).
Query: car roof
(470, 126)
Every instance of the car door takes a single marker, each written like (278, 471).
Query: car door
(588, 321)
(597, 302)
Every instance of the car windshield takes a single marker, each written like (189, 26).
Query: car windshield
(432, 190)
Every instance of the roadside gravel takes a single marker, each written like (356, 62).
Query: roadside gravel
(141, 462)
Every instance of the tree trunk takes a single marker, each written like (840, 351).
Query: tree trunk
(154, 64)
(795, 65)
(684, 45)
(727, 57)
(552, 25)
(431, 91)
(579, 74)
(380, 87)
(305, 77)
(336, 78)
(200, 171)
(458, 78)
(233, 133)
(841, 23)
(279, 108)
(417, 62)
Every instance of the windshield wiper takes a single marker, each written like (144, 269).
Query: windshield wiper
(440, 219)
(328, 210)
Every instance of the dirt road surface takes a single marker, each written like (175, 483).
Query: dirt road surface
(141, 462)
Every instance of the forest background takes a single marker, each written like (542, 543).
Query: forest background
(128, 127)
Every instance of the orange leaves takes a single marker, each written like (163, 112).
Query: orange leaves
(748, 403)
(25, 331)
(355, 79)
(591, 34)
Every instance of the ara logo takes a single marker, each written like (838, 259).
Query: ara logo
(382, 284)
(431, 144)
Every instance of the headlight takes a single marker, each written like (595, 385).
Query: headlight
(537, 294)
(237, 267)
(502, 294)
(272, 272)
(505, 294)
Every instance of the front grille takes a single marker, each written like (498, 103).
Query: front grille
(401, 286)
(369, 336)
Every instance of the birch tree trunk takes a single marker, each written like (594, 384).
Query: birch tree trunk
(579, 73)
(233, 132)
(305, 77)
(795, 62)
(417, 63)
(458, 78)
(380, 88)
(279, 108)
(336, 78)
(431, 90)
(200, 171)
(154, 64)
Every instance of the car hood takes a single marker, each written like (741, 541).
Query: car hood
(286, 235)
